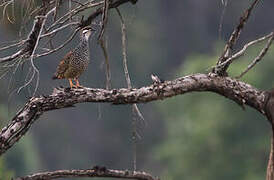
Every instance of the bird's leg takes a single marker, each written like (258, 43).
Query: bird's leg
(71, 84)
(77, 83)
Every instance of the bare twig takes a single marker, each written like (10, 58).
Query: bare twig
(36, 71)
(104, 19)
(12, 57)
(79, 3)
(242, 51)
(60, 46)
(135, 110)
(75, 11)
(258, 58)
(232, 41)
(94, 172)
(59, 29)
(222, 18)
(12, 45)
(5, 5)
(29, 43)
(124, 49)
(108, 74)
(99, 11)
(103, 43)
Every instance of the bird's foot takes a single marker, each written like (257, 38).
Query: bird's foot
(73, 86)
(79, 86)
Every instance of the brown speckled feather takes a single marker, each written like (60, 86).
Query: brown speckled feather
(63, 67)
(76, 61)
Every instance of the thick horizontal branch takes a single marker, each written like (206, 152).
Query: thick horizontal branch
(94, 172)
(233, 89)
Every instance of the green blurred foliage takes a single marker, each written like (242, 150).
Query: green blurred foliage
(4, 172)
(210, 137)
(23, 158)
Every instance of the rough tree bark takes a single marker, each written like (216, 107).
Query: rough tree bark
(94, 172)
(233, 89)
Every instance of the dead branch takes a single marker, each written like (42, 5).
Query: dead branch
(60, 46)
(233, 89)
(107, 65)
(65, 18)
(243, 50)
(94, 172)
(232, 41)
(135, 110)
(104, 19)
(258, 58)
(29, 43)
(12, 45)
(113, 4)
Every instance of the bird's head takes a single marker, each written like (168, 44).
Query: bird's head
(87, 31)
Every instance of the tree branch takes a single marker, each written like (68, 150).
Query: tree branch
(94, 172)
(243, 50)
(258, 58)
(30, 42)
(233, 89)
(113, 4)
(232, 41)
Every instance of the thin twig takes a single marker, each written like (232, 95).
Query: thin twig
(59, 47)
(99, 11)
(258, 58)
(59, 29)
(12, 45)
(77, 10)
(135, 110)
(36, 71)
(5, 4)
(222, 18)
(108, 74)
(242, 51)
(104, 19)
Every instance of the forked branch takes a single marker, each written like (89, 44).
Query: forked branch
(221, 70)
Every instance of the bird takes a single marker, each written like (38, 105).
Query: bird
(76, 61)
(156, 79)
